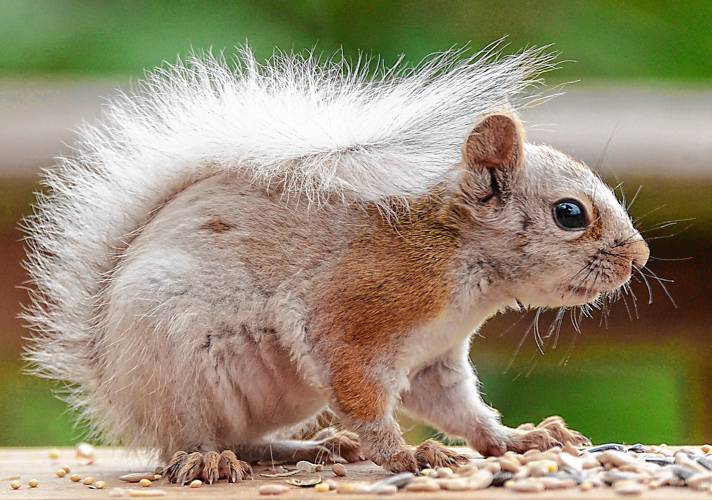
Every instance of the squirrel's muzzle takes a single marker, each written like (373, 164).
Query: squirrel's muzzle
(639, 253)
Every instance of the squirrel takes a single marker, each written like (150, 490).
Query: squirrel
(245, 261)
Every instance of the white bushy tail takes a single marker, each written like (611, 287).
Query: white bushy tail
(318, 128)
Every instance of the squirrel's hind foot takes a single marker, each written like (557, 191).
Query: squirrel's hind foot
(341, 446)
(209, 466)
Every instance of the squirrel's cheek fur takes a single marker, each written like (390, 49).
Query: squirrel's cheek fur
(250, 245)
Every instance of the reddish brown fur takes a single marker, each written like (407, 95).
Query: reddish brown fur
(497, 141)
(595, 230)
(392, 278)
(216, 225)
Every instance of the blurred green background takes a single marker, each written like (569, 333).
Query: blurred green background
(634, 380)
(609, 39)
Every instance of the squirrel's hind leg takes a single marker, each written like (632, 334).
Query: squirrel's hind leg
(209, 466)
(329, 446)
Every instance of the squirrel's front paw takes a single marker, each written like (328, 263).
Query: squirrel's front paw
(401, 461)
(556, 427)
(520, 440)
(549, 433)
(432, 454)
(495, 442)
(490, 445)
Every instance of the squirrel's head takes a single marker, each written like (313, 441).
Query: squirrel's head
(550, 228)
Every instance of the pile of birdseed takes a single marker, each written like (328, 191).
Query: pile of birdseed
(628, 470)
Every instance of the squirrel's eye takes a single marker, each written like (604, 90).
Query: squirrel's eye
(570, 215)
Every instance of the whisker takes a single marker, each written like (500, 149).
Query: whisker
(634, 299)
(657, 227)
(550, 330)
(666, 236)
(574, 321)
(623, 197)
(537, 334)
(636, 220)
(532, 362)
(647, 284)
(605, 311)
(565, 360)
(625, 241)
(635, 197)
(663, 225)
(625, 302)
(590, 267)
(670, 259)
(583, 310)
(666, 280)
(662, 285)
(601, 159)
(559, 321)
(532, 365)
(519, 348)
(511, 327)
(602, 320)
(612, 254)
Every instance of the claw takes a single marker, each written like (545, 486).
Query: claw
(191, 469)
(557, 428)
(174, 465)
(552, 431)
(433, 454)
(211, 472)
(233, 469)
(402, 461)
(210, 466)
(540, 439)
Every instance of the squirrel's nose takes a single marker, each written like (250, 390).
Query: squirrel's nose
(639, 253)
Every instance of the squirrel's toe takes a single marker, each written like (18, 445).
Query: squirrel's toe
(432, 454)
(233, 469)
(210, 466)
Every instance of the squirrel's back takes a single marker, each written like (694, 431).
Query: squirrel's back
(320, 132)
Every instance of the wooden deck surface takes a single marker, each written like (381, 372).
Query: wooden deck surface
(29, 463)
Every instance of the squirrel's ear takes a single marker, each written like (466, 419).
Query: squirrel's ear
(496, 142)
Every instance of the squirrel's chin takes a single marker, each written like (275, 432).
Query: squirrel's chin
(566, 297)
(578, 296)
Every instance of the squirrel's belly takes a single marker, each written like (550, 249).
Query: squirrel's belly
(258, 388)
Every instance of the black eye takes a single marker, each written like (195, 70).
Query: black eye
(570, 215)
